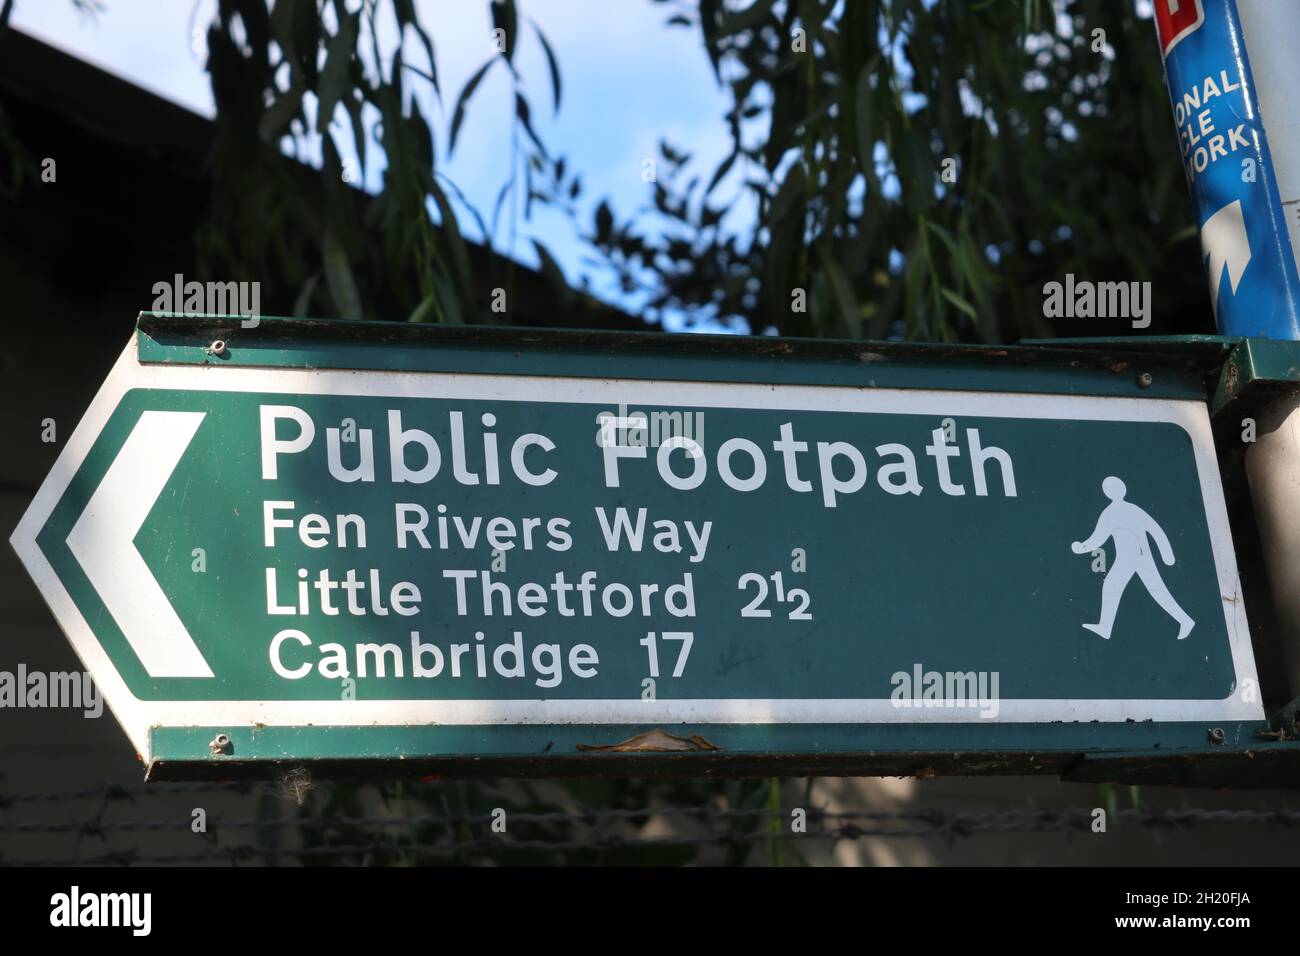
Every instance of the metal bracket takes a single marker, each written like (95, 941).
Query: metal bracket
(1256, 371)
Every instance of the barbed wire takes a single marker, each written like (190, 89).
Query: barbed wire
(960, 823)
(336, 836)
(114, 791)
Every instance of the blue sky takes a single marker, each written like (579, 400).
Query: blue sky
(628, 80)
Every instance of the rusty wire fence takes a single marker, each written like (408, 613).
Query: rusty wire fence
(296, 822)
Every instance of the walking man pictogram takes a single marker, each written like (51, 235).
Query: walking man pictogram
(1129, 525)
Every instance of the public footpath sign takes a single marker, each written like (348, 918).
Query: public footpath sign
(341, 542)
(1233, 76)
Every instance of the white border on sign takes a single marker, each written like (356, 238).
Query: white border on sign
(138, 716)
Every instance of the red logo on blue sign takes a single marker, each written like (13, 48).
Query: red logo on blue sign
(1175, 19)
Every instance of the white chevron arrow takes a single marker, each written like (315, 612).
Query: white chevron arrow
(1225, 242)
(103, 540)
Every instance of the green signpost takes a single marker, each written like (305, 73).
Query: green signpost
(526, 552)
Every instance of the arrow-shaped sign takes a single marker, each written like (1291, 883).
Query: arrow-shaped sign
(1225, 243)
(103, 542)
(439, 561)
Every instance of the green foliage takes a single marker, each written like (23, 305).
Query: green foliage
(285, 71)
(841, 118)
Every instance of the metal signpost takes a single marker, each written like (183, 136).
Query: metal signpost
(515, 552)
(1233, 75)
